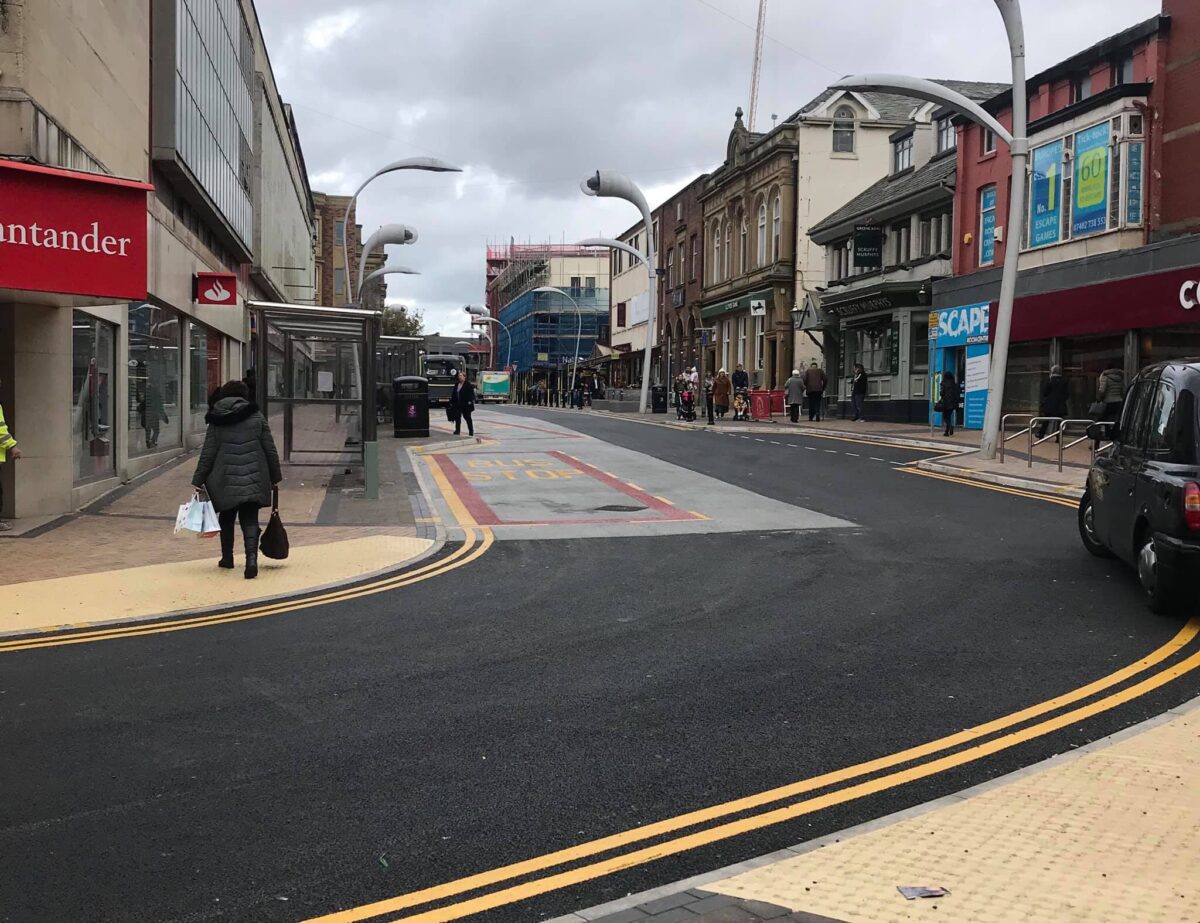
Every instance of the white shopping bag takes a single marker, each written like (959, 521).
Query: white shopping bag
(181, 519)
(212, 525)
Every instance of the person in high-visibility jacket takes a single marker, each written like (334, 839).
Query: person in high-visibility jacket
(8, 449)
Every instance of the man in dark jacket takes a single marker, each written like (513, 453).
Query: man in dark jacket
(741, 379)
(814, 384)
(238, 467)
(462, 404)
(858, 392)
(1054, 398)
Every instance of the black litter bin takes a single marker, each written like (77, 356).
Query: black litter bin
(658, 399)
(410, 406)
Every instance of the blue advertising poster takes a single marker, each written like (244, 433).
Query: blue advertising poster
(1046, 195)
(987, 227)
(1133, 185)
(1089, 213)
(975, 388)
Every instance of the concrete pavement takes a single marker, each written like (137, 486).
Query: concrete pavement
(1106, 832)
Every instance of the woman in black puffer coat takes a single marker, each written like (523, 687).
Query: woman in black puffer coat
(238, 466)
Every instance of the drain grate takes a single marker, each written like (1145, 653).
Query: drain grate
(617, 508)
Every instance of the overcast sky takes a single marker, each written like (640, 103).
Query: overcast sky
(529, 96)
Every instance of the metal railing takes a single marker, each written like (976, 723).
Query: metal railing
(1028, 430)
(1034, 442)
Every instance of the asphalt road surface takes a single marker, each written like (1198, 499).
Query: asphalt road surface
(555, 691)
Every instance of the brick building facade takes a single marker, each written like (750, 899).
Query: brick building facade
(332, 288)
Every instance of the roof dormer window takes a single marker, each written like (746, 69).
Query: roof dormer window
(945, 135)
(902, 154)
(843, 130)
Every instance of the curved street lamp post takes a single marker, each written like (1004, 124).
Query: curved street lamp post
(1018, 142)
(427, 164)
(610, 184)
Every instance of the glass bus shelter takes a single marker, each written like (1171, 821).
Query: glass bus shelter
(315, 375)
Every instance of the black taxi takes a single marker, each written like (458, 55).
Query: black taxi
(1142, 501)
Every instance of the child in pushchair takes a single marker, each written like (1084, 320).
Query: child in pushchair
(687, 404)
(741, 404)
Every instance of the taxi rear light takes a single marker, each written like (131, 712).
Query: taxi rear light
(1191, 506)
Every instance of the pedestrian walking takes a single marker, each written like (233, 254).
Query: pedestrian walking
(462, 403)
(721, 390)
(741, 379)
(949, 401)
(1110, 391)
(793, 392)
(8, 449)
(1054, 400)
(858, 393)
(814, 385)
(238, 467)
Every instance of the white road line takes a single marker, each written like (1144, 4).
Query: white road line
(773, 442)
(852, 455)
(792, 445)
(810, 448)
(760, 440)
(873, 458)
(832, 451)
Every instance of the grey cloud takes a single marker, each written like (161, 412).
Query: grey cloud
(534, 94)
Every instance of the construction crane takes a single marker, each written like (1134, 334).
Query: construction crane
(758, 45)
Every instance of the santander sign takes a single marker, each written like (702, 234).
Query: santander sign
(72, 233)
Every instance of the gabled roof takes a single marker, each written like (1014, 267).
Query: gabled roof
(888, 190)
(892, 108)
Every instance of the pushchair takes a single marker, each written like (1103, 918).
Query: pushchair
(686, 408)
(741, 404)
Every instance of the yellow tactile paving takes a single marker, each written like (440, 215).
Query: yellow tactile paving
(160, 588)
(1110, 837)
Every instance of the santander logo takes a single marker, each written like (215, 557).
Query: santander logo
(217, 292)
(216, 288)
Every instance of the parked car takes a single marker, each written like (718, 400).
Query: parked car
(1142, 501)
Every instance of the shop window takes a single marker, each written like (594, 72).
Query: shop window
(204, 363)
(154, 363)
(93, 363)
(1028, 369)
(1166, 343)
(1083, 359)
(870, 345)
(919, 351)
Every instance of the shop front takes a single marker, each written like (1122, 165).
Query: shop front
(107, 357)
(959, 343)
(882, 327)
(754, 331)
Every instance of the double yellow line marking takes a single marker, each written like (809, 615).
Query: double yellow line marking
(709, 835)
(472, 548)
(998, 488)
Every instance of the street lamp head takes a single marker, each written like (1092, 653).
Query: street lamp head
(611, 184)
(428, 164)
(614, 245)
(550, 289)
(476, 310)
